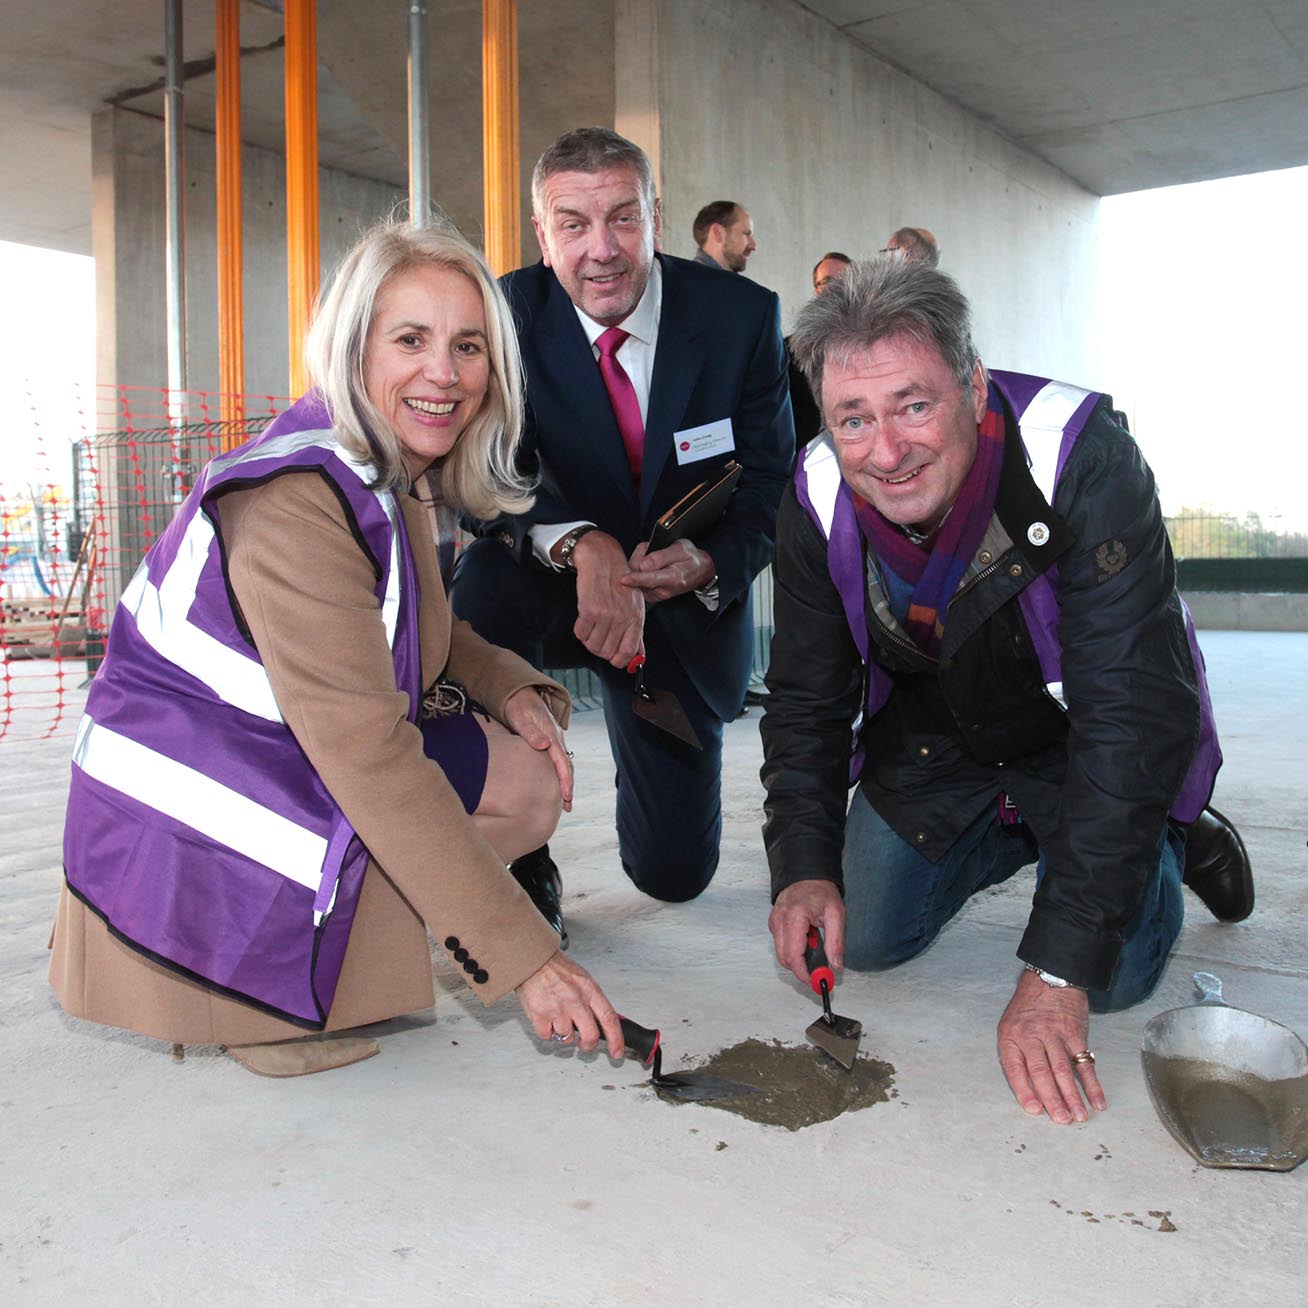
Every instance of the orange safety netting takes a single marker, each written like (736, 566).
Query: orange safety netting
(84, 491)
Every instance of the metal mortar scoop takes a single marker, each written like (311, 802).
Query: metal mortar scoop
(1231, 1086)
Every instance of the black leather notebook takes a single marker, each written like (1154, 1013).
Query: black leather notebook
(696, 511)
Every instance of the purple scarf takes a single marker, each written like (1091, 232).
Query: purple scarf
(935, 567)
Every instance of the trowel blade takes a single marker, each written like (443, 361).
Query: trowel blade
(698, 1086)
(662, 709)
(838, 1038)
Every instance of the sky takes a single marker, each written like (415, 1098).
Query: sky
(1203, 294)
(47, 361)
(1203, 297)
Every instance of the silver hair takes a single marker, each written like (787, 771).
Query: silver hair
(479, 474)
(591, 150)
(876, 300)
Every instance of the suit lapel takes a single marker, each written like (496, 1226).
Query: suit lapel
(577, 376)
(678, 361)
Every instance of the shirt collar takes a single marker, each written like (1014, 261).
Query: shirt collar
(643, 321)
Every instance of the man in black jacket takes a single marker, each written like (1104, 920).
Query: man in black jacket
(977, 564)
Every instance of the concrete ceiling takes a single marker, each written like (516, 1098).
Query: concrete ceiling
(1122, 95)
(1119, 94)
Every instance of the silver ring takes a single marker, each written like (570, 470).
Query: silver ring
(1085, 1056)
(559, 1039)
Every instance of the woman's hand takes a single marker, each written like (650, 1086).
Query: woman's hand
(563, 1001)
(527, 715)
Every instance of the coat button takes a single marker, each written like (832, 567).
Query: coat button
(921, 837)
(481, 976)
(460, 955)
(923, 751)
(451, 942)
(1015, 570)
(984, 557)
(470, 966)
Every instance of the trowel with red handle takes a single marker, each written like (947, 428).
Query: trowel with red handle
(660, 708)
(834, 1035)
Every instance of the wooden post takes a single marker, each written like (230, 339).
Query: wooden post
(499, 105)
(227, 146)
(301, 178)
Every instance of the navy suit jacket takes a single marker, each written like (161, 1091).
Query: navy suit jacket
(719, 355)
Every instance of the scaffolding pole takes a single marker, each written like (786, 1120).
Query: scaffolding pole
(301, 179)
(227, 149)
(419, 151)
(175, 214)
(499, 101)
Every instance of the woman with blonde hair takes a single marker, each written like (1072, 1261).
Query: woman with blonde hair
(294, 762)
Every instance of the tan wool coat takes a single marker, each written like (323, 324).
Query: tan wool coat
(305, 590)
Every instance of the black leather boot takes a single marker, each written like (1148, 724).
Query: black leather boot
(538, 875)
(1217, 867)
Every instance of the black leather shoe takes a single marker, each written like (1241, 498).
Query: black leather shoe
(1217, 867)
(538, 875)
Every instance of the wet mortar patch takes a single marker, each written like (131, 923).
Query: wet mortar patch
(800, 1085)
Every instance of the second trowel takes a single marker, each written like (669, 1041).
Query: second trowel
(660, 708)
(836, 1036)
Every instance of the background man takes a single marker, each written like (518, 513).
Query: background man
(724, 233)
(808, 421)
(622, 422)
(921, 562)
(915, 243)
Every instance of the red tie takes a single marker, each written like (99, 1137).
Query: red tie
(622, 396)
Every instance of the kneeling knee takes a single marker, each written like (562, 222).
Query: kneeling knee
(674, 881)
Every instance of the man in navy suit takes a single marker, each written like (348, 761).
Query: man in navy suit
(620, 425)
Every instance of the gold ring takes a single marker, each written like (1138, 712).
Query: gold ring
(1085, 1056)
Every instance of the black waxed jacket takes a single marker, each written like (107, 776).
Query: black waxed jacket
(1094, 781)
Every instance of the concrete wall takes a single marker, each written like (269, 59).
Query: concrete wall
(127, 228)
(829, 147)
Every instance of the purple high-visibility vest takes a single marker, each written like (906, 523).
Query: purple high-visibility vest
(196, 826)
(1051, 415)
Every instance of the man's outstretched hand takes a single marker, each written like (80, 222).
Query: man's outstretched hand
(1040, 1031)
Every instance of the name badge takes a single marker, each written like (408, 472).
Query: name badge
(704, 442)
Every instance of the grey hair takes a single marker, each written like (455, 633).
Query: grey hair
(591, 150)
(876, 300)
(917, 243)
(479, 474)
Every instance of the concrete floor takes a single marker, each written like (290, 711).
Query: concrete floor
(467, 1165)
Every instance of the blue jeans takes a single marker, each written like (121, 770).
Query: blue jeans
(897, 901)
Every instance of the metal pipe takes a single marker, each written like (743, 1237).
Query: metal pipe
(175, 216)
(499, 113)
(301, 177)
(419, 158)
(227, 148)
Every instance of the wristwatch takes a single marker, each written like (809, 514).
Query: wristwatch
(569, 545)
(1057, 982)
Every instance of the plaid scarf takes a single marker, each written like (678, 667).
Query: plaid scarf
(935, 567)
